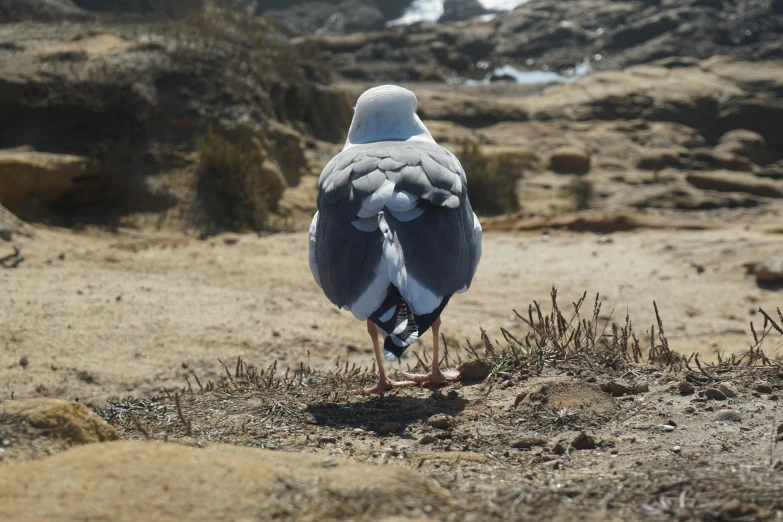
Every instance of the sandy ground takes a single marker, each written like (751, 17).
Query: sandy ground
(93, 315)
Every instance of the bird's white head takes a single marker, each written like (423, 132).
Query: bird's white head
(386, 113)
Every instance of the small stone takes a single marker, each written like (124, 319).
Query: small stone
(686, 388)
(6, 233)
(529, 442)
(617, 387)
(728, 416)
(677, 449)
(690, 410)
(770, 271)
(666, 427)
(772, 397)
(475, 370)
(429, 438)
(24, 361)
(712, 393)
(441, 421)
(763, 387)
(727, 391)
(325, 439)
(558, 449)
(389, 428)
(583, 441)
(641, 387)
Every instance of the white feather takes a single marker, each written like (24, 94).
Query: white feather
(313, 265)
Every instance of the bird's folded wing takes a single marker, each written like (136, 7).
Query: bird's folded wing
(394, 212)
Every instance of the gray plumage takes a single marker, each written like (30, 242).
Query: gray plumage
(394, 223)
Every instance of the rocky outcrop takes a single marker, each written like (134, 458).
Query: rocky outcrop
(107, 106)
(16, 10)
(128, 481)
(69, 421)
(48, 178)
(542, 34)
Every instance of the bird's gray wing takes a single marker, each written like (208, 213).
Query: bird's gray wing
(394, 212)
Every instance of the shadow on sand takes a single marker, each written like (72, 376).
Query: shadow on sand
(374, 412)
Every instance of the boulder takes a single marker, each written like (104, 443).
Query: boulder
(746, 143)
(454, 10)
(27, 175)
(69, 421)
(129, 481)
(569, 159)
(725, 181)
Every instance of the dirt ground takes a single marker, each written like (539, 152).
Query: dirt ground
(91, 315)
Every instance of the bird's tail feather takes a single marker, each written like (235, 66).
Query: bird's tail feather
(403, 326)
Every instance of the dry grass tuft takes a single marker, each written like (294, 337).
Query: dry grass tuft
(492, 187)
(231, 184)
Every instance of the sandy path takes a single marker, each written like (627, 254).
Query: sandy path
(130, 313)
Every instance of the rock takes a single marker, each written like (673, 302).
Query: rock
(563, 393)
(725, 181)
(67, 420)
(441, 421)
(455, 10)
(326, 439)
(716, 395)
(26, 175)
(583, 441)
(12, 10)
(529, 442)
(429, 438)
(763, 387)
(661, 158)
(617, 387)
(475, 370)
(679, 195)
(686, 388)
(716, 159)
(389, 428)
(769, 271)
(6, 232)
(728, 416)
(727, 391)
(569, 160)
(677, 449)
(213, 483)
(746, 143)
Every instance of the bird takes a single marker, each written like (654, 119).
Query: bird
(394, 236)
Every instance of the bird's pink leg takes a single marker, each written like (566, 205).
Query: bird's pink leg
(436, 375)
(384, 383)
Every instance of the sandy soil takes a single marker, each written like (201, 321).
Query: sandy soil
(93, 315)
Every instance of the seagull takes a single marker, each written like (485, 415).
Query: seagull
(394, 236)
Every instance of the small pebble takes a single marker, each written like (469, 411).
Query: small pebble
(685, 388)
(389, 428)
(529, 442)
(441, 421)
(427, 439)
(583, 441)
(712, 393)
(677, 449)
(728, 416)
(666, 427)
(727, 391)
(325, 439)
(763, 387)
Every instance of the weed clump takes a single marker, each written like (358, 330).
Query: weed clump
(492, 184)
(236, 183)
